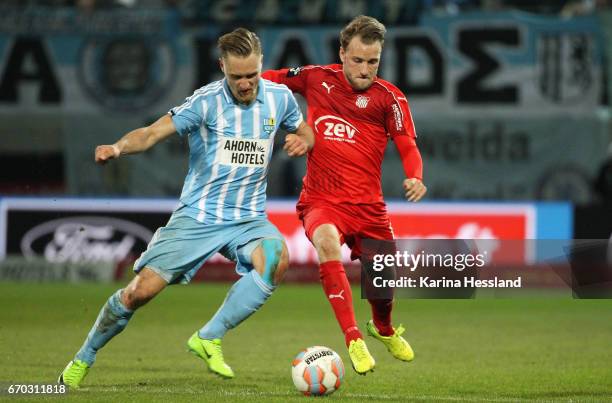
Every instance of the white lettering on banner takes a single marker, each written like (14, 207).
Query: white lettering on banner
(302, 251)
(467, 230)
(84, 239)
(524, 67)
(103, 236)
(481, 238)
(240, 152)
(77, 242)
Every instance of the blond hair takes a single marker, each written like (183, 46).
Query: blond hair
(369, 29)
(240, 42)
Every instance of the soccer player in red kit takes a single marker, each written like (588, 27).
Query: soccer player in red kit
(354, 114)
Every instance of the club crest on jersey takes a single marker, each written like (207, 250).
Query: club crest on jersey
(362, 101)
(268, 125)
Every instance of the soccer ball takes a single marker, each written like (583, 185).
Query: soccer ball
(317, 371)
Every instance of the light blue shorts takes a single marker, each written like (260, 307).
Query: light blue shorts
(177, 251)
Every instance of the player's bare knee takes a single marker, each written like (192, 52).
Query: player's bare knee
(328, 248)
(146, 285)
(137, 298)
(276, 260)
(135, 295)
(283, 265)
(129, 298)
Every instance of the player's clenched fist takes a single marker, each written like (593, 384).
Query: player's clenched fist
(106, 152)
(415, 189)
(295, 145)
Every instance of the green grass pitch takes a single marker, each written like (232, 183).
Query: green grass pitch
(501, 350)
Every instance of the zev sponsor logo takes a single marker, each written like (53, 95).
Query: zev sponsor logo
(85, 239)
(336, 129)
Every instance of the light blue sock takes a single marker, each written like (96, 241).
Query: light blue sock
(245, 297)
(111, 320)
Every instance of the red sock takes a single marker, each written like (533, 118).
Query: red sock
(381, 314)
(338, 292)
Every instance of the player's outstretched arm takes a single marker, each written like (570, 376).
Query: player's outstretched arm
(137, 140)
(413, 167)
(300, 142)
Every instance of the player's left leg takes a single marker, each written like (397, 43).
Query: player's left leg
(270, 260)
(380, 326)
(263, 263)
(381, 329)
(381, 303)
(395, 343)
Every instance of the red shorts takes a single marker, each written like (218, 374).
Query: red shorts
(354, 222)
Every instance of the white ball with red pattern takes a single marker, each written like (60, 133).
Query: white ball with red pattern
(317, 371)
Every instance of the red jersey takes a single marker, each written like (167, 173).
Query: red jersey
(351, 128)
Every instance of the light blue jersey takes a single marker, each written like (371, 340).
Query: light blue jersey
(230, 148)
(222, 210)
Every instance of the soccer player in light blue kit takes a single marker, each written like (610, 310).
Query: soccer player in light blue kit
(230, 125)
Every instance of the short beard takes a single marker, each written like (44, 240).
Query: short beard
(358, 88)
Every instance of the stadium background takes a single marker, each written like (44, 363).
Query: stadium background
(511, 104)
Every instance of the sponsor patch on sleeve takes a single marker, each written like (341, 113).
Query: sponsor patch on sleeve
(294, 71)
(397, 116)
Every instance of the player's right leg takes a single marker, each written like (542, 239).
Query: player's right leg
(112, 319)
(326, 240)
